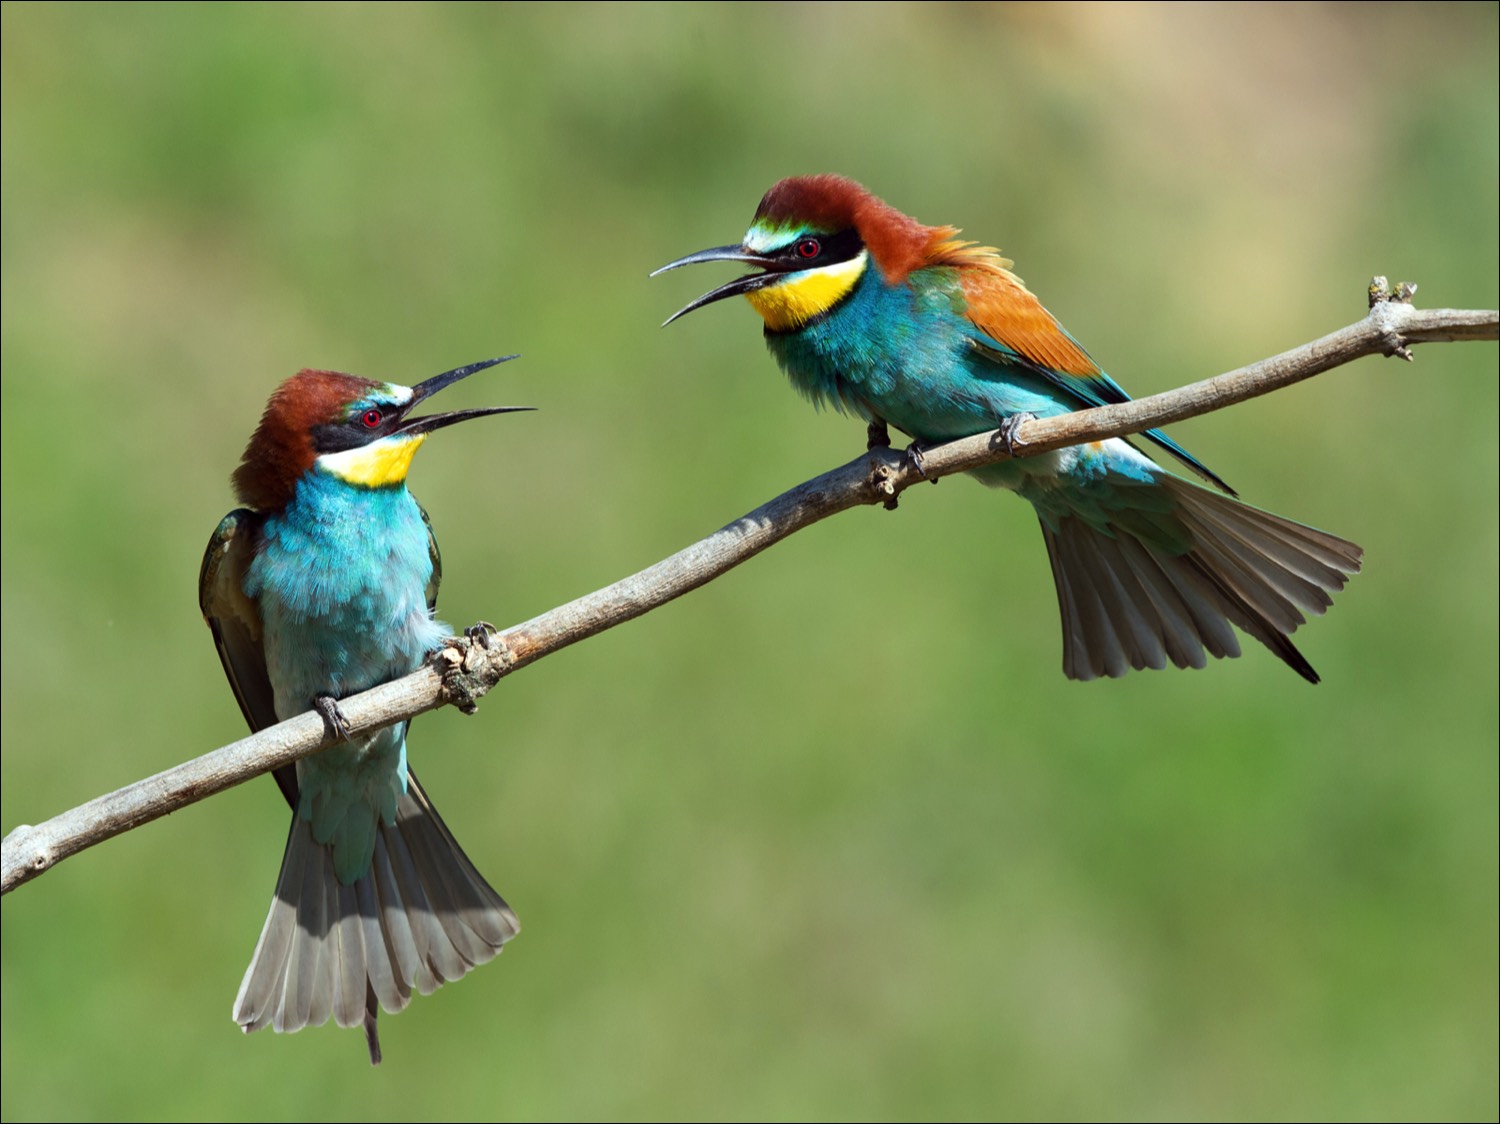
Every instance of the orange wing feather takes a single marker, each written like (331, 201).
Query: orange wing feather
(1001, 306)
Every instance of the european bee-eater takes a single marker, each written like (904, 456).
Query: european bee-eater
(875, 314)
(323, 586)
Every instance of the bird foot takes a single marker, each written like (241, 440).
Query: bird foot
(1008, 432)
(877, 435)
(482, 633)
(338, 726)
(915, 455)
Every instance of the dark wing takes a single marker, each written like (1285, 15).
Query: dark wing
(432, 589)
(235, 623)
(437, 562)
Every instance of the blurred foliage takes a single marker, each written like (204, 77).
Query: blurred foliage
(832, 837)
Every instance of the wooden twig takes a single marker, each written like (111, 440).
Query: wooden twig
(471, 665)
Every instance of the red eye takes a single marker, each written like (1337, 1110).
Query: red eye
(809, 248)
(372, 418)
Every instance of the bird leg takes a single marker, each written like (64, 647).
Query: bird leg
(338, 725)
(877, 435)
(1009, 429)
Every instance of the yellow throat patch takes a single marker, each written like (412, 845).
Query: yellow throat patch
(376, 465)
(792, 303)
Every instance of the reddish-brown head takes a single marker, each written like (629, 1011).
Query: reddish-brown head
(356, 428)
(814, 237)
(282, 447)
(831, 205)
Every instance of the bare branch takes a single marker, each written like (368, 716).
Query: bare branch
(469, 667)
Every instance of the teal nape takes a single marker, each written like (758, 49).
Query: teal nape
(322, 586)
(902, 324)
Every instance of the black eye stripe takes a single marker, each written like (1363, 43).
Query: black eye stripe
(357, 430)
(830, 249)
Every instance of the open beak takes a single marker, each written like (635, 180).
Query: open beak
(428, 387)
(770, 267)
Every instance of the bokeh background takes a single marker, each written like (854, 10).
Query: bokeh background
(832, 837)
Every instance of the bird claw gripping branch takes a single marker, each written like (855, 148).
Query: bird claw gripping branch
(339, 726)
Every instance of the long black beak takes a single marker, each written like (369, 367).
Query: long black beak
(747, 284)
(428, 387)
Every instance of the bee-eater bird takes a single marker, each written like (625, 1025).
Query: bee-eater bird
(875, 314)
(322, 586)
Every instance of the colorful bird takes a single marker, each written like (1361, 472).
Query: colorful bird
(879, 316)
(321, 587)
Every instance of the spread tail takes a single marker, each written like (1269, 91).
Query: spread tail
(420, 917)
(1133, 597)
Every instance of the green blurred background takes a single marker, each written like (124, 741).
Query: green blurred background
(832, 837)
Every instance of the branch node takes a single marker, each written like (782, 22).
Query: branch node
(27, 854)
(1389, 309)
(1381, 291)
(882, 480)
(471, 664)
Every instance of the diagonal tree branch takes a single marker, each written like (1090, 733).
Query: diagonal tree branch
(470, 666)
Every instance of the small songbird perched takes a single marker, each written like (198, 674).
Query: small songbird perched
(879, 316)
(321, 587)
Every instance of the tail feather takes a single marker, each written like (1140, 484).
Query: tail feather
(1179, 610)
(405, 928)
(1262, 572)
(1309, 567)
(1130, 601)
(1184, 612)
(379, 954)
(441, 961)
(1111, 605)
(351, 961)
(420, 917)
(283, 987)
(1086, 624)
(1155, 605)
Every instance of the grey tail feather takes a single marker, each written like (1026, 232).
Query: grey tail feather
(372, 1032)
(1130, 603)
(421, 917)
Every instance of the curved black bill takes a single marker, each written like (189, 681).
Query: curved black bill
(428, 387)
(718, 253)
(437, 421)
(747, 284)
